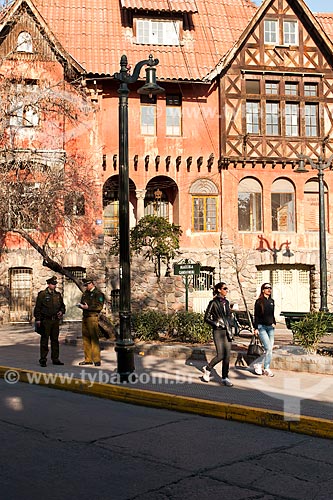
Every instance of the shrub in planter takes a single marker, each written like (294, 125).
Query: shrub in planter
(148, 324)
(190, 327)
(308, 331)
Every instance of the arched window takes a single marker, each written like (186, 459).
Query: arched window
(283, 205)
(204, 205)
(24, 42)
(311, 204)
(249, 205)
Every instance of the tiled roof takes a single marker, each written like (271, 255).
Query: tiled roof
(92, 32)
(326, 20)
(161, 5)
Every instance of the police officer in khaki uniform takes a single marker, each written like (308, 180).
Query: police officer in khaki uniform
(48, 311)
(92, 303)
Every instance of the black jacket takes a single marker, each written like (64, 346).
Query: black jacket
(264, 312)
(216, 317)
(48, 304)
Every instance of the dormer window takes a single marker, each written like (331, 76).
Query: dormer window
(157, 32)
(24, 42)
(290, 34)
(271, 28)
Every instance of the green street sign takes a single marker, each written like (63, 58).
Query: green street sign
(186, 269)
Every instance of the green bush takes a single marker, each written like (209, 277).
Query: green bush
(190, 327)
(181, 326)
(308, 331)
(148, 324)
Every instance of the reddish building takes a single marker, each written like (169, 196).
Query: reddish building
(247, 91)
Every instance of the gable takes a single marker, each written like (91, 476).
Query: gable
(24, 35)
(268, 39)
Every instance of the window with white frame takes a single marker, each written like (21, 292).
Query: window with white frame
(148, 115)
(252, 117)
(310, 89)
(290, 33)
(157, 31)
(23, 108)
(272, 88)
(173, 115)
(249, 205)
(271, 31)
(291, 88)
(292, 119)
(283, 205)
(24, 42)
(272, 118)
(311, 120)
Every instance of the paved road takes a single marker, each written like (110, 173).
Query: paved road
(59, 445)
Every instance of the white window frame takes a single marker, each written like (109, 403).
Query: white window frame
(148, 119)
(252, 117)
(290, 32)
(292, 119)
(271, 31)
(24, 42)
(157, 31)
(272, 118)
(311, 112)
(173, 116)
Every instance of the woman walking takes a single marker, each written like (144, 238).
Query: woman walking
(264, 325)
(218, 315)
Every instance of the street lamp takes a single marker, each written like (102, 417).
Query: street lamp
(320, 167)
(124, 344)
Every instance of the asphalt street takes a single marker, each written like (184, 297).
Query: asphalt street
(59, 445)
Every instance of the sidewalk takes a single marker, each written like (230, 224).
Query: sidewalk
(298, 401)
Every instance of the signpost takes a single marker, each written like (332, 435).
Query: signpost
(187, 269)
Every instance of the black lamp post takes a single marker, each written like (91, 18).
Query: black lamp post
(320, 167)
(124, 343)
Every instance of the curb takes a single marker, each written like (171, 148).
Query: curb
(312, 426)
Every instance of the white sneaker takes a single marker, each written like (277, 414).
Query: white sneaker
(206, 374)
(268, 373)
(257, 369)
(226, 381)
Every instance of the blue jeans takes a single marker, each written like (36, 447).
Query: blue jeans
(266, 335)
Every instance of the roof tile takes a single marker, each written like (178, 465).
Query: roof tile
(92, 33)
(161, 5)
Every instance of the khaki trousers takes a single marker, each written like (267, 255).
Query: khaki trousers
(91, 347)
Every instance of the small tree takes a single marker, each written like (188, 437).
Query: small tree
(157, 240)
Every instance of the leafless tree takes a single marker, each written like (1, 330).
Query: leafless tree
(47, 182)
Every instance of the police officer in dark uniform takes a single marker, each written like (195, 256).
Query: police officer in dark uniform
(92, 303)
(49, 309)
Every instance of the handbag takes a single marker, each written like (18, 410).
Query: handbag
(255, 348)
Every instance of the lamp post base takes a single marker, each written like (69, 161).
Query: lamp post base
(125, 362)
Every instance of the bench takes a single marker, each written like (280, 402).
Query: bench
(242, 321)
(291, 317)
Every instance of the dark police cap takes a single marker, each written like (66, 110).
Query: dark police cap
(86, 281)
(52, 281)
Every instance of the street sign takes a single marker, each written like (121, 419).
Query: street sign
(186, 269)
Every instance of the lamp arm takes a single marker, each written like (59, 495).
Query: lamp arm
(123, 76)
